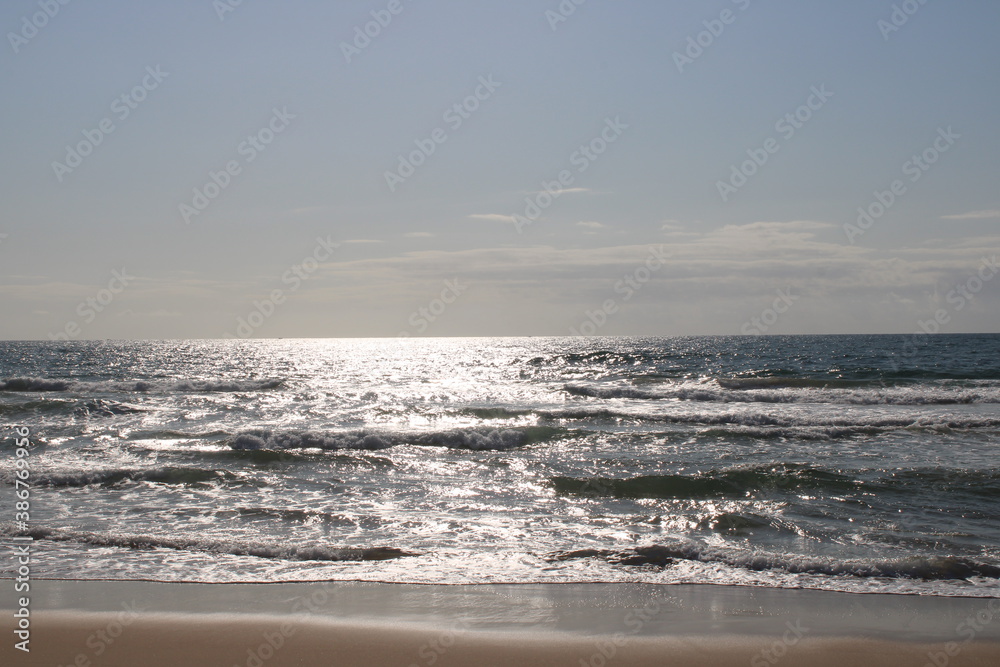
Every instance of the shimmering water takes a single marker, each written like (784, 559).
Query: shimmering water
(838, 462)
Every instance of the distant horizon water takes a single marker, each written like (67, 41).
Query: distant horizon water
(911, 334)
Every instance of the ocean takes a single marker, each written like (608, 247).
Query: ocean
(850, 463)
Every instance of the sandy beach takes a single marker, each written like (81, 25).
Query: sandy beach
(356, 623)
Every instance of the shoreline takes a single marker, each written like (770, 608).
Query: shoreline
(353, 623)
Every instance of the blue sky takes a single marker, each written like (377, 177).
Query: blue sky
(818, 107)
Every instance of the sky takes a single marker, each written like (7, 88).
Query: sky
(200, 169)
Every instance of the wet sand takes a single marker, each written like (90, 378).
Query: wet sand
(360, 623)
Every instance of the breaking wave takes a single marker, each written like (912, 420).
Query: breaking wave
(258, 549)
(27, 384)
(735, 483)
(811, 426)
(117, 476)
(800, 390)
(917, 567)
(476, 439)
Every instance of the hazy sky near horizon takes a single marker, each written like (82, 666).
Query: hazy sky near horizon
(198, 169)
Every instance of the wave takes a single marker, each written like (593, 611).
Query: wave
(496, 412)
(35, 384)
(750, 424)
(472, 438)
(882, 366)
(173, 434)
(802, 390)
(737, 483)
(257, 548)
(777, 382)
(740, 523)
(733, 483)
(104, 408)
(764, 425)
(67, 406)
(118, 476)
(28, 384)
(608, 357)
(300, 516)
(41, 406)
(217, 386)
(916, 567)
(807, 432)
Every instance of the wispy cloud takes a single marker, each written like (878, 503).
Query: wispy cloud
(493, 217)
(309, 209)
(710, 280)
(724, 263)
(974, 215)
(591, 224)
(361, 241)
(672, 225)
(563, 191)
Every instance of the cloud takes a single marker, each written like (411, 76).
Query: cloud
(494, 217)
(361, 241)
(709, 281)
(500, 217)
(737, 258)
(564, 191)
(591, 224)
(974, 215)
(733, 262)
(309, 209)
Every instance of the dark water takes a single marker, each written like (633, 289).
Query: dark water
(860, 463)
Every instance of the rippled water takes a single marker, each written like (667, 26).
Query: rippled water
(839, 462)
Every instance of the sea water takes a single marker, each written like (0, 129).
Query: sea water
(853, 463)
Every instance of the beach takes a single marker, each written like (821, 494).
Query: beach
(363, 623)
